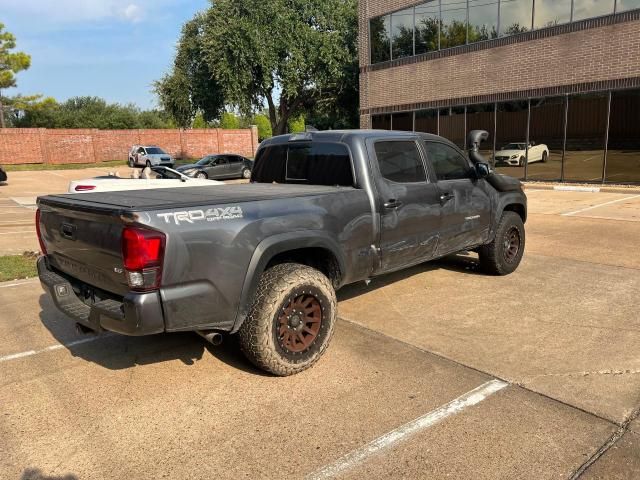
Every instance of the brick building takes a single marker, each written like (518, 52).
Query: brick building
(555, 82)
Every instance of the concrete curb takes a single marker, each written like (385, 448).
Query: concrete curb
(563, 187)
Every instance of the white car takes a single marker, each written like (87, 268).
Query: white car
(154, 177)
(515, 154)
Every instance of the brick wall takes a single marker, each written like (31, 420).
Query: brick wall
(39, 145)
(591, 51)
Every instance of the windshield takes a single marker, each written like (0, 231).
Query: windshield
(304, 163)
(514, 146)
(164, 172)
(203, 161)
(155, 151)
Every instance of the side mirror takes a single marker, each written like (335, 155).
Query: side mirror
(483, 170)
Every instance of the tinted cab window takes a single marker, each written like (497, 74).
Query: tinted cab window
(400, 161)
(447, 162)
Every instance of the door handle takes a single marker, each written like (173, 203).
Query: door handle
(445, 197)
(392, 204)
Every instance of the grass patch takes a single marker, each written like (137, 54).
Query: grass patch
(17, 267)
(30, 167)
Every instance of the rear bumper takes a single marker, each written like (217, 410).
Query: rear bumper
(137, 314)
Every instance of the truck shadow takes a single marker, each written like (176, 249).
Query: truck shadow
(36, 474)
(117, 352)
(463, 262)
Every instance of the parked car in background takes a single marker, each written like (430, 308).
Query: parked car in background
(154, 177)
(219, 166)
(149, 156)
(3, 175)
(515, 154)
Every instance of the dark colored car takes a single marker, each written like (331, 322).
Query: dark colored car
(264, 259)
(218, 167)
(3, 175)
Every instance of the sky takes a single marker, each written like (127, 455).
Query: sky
(114, 49)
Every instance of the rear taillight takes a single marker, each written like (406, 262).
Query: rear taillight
(43, 246)
(143, 254)
(84, 188)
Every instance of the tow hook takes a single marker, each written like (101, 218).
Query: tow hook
(211, 336)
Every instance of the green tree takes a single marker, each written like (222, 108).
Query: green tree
(264, 126)
(191, 86)
(296, 124)
(10, 64)
(290, 54)
(229, 121)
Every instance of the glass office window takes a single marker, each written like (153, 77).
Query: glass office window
(586, 132)
(624, 5)
(427, 22)
(402, 121)
(402, 33)
(583, 9)
(483, 20)
(511, 138)
(380, 40)
(452, 125)
(453, 30)
(381, 122)
(623, 154)
(546, 133)
(427, 121)
(481, 117)
(552, 12)
(515, 16)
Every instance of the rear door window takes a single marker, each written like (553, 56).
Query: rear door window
(400, 161)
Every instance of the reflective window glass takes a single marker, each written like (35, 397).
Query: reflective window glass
(483, 20)
(511, 138)
(400, 162)
(624, 5)
(402, 33)
(623, 154)
(427, 121)
(546, 131)
(552, 12)
(453, 30)
(481, 117)
(427, 22)
(402, 121)
(380, 40)
(447, 162)
(515, 16)
(591, 8)
(452, 125)
(381, 122)
(586, 131)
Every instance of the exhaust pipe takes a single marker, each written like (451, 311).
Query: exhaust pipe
(213, 337)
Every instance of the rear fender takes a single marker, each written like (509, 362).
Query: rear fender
(267, 250)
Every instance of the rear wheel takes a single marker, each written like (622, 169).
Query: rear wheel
(545, 155)
(246, 173)
(202, 175)
(130, 163)
(503, 255)
(291, 321)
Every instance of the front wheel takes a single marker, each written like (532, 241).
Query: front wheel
(545, 155)
(503, 255)
(148, 164)
(521, 162)
(201, 175)
(291, 321)
(130, 162)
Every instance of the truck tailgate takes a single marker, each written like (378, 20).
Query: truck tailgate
(84, 242)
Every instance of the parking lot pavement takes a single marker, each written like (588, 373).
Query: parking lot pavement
(169, 406)
(562, 332)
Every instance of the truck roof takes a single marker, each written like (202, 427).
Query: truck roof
(347, 135)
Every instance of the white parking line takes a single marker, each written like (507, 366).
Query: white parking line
(18, 232)
(568, 214)
(31, 280)
(389, 439)
(58, 346)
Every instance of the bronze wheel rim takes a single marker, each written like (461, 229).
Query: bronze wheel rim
(511, 244)
(299, 323)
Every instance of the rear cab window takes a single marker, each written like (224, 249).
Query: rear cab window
(307, 163)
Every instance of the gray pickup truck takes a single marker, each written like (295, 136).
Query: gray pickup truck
(264, 259)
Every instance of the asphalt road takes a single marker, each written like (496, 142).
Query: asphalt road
(435, 372)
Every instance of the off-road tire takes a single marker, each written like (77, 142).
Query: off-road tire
(258, 335)
(494, 258)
